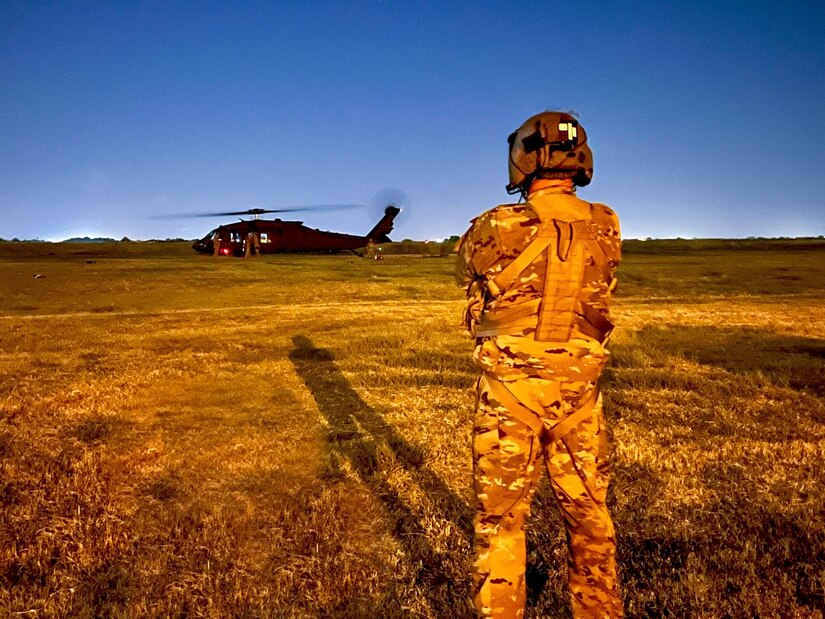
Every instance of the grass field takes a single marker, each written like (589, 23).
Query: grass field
(290, 436)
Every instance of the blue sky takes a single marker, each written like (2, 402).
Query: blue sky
(706, 119)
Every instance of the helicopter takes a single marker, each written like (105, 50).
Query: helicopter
(269, 236)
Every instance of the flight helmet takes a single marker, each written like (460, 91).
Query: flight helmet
(549, 145)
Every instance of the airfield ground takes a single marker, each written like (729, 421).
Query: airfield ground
(289, 436)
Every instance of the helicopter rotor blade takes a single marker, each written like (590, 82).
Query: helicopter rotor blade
(262, 211)
(390, 196)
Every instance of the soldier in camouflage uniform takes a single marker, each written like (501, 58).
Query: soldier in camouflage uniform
(539, 276)
(216, 243)
(252, 246)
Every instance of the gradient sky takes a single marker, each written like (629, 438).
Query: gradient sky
(707, 119)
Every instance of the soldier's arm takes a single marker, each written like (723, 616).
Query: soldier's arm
(466, 277)
(464, 274)
(609, 238)
(471, 266)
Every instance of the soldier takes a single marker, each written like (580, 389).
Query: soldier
(252, 246)
(371, 254)
(216, 243)
(539, 277)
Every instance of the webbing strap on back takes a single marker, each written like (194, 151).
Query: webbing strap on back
(550, 231)
(595, 250)
(562, 283)
(508, 275)
(531, 418)
(567, 244)
(518, 316)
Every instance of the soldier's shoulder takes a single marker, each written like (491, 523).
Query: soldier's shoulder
(604, 211)
(497, 215)
(503, 214)
(504, 210)
(604, 215)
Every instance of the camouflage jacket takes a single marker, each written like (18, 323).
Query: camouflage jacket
(497, 238)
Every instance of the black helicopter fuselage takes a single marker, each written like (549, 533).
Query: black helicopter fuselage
(278, 236)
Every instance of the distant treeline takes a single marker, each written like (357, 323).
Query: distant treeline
(96, 239)
(629, 246)
(675, 246)
(427, 248)
(636, 246)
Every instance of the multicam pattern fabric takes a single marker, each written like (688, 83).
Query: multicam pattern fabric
(252, 245)
(506, 458)
(553, 380)
(498, 236)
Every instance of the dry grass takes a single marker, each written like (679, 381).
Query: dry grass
(289, 437)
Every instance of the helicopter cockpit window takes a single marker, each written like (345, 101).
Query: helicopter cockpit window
(264, 237)
(236, 237)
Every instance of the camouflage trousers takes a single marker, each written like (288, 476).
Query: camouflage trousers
(506, 465)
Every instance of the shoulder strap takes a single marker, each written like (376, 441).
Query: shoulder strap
(568, 245)
(507, 277)
(562, 283)
(589, 236)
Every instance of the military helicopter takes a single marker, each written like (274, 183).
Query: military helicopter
(271, 236)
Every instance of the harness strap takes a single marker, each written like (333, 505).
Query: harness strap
(531, 418)
(595, 249)
(589, 330)
(567, 246)
(599, 257)
(562, 284)
(518, 410)
(561, 429)
(501, 282)
(595, 318)
(521, 314)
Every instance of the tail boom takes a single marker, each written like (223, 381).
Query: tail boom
(379, 233)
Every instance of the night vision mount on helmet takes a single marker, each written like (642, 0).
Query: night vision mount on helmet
(549, 145)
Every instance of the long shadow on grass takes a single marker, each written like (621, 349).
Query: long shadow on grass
(359, 434)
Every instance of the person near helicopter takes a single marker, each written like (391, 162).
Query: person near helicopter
(539, 276)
